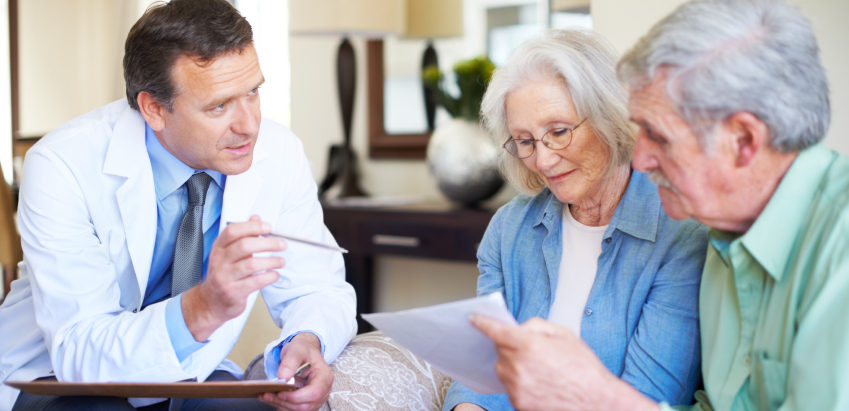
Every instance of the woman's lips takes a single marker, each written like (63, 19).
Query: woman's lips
(560, 177)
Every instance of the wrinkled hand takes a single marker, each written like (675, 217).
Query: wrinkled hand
(547, 367)
(313, 385)
(233, 273)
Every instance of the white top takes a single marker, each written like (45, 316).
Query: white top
(578, 266)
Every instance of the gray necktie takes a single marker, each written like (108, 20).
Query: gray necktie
(188, 252)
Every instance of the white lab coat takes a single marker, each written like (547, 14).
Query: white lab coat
(87, 216)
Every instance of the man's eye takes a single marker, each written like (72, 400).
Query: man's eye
(654, 137)
(254, 92)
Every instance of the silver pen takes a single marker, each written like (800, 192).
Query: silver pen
(310, 242)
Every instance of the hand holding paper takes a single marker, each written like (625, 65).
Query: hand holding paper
(443, 336)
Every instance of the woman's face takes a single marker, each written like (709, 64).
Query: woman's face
(573, 174)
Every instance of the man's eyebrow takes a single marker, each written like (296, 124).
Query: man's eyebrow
(638, 122)
(642, 123)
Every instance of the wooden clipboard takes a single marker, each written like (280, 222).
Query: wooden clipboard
(189, 389)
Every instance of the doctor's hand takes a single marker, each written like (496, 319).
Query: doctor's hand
(233, 273)
(313, 385)
(547, 367)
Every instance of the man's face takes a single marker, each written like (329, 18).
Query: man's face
(691, 183)
(215, 118)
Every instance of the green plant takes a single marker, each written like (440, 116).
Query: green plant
(472, 76)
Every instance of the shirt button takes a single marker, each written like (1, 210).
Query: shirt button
(588, 311)
(135, 310)
(748, 358)
(608, 240)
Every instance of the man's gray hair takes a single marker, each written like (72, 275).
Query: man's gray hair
(587, 64)
(728, 56)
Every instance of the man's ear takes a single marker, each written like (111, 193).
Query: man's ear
(152, 110)
(749, 134)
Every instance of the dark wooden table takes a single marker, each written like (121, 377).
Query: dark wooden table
(425, 231)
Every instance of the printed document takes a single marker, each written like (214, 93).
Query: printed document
(442, 335)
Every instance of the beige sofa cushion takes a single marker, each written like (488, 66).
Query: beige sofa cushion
(375, 373)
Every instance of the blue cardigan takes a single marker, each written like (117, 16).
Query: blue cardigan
(641, 317)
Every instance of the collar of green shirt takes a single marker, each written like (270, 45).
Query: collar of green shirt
(771, 239)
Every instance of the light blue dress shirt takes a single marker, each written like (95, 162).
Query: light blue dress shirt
(641, 317)
(169, 175)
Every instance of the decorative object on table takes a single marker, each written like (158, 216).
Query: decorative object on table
(369, 18)
(430, 19)
(461, 155)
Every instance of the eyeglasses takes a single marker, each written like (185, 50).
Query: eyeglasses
(555, 139)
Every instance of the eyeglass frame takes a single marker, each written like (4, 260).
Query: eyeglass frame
(542, 140)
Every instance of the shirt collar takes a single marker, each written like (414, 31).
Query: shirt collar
(169, 173)
(771, 238)
(637, 214)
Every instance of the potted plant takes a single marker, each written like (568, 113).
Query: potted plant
(472, 76)
(461, 156)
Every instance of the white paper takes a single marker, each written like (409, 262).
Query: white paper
(442, 335)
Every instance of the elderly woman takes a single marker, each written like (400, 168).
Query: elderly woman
(589, 247)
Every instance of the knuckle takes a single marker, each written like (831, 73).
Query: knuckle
(243, 246)
(252, 265)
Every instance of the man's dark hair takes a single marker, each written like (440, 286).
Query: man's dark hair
(200, 29)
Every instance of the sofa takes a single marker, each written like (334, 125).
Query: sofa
(375, 373)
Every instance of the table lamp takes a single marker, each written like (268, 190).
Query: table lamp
(430, 19)
(367, 18)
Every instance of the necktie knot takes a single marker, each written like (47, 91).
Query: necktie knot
(196, 185)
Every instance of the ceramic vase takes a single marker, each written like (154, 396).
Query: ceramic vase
(463, 159)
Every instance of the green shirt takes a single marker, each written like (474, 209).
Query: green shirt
(774, 302)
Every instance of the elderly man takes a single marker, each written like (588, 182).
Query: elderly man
(145, 227)
(731, 101)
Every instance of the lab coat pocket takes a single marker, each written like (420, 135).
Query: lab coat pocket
(768, 380)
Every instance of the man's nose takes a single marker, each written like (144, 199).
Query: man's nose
(247, 118)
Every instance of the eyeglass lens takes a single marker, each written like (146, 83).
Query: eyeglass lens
(555, 139)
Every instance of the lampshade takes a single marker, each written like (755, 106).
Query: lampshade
(369, 18)
(434, 18)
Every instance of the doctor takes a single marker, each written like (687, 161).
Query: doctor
(124, 280)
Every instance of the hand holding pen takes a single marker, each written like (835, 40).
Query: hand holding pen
(289, 237)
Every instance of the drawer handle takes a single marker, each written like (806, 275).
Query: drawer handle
(395, 240)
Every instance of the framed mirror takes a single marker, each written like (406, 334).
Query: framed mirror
(383, 144)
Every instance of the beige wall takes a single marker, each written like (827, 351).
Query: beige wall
(63, 46)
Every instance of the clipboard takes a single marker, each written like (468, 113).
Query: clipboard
(187, 389)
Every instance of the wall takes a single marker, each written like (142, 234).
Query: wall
(5, 97)
(69, 54)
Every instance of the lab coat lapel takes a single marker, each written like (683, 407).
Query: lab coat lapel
(136, 198)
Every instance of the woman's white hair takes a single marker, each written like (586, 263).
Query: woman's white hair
(587, 63)
(728, 56)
